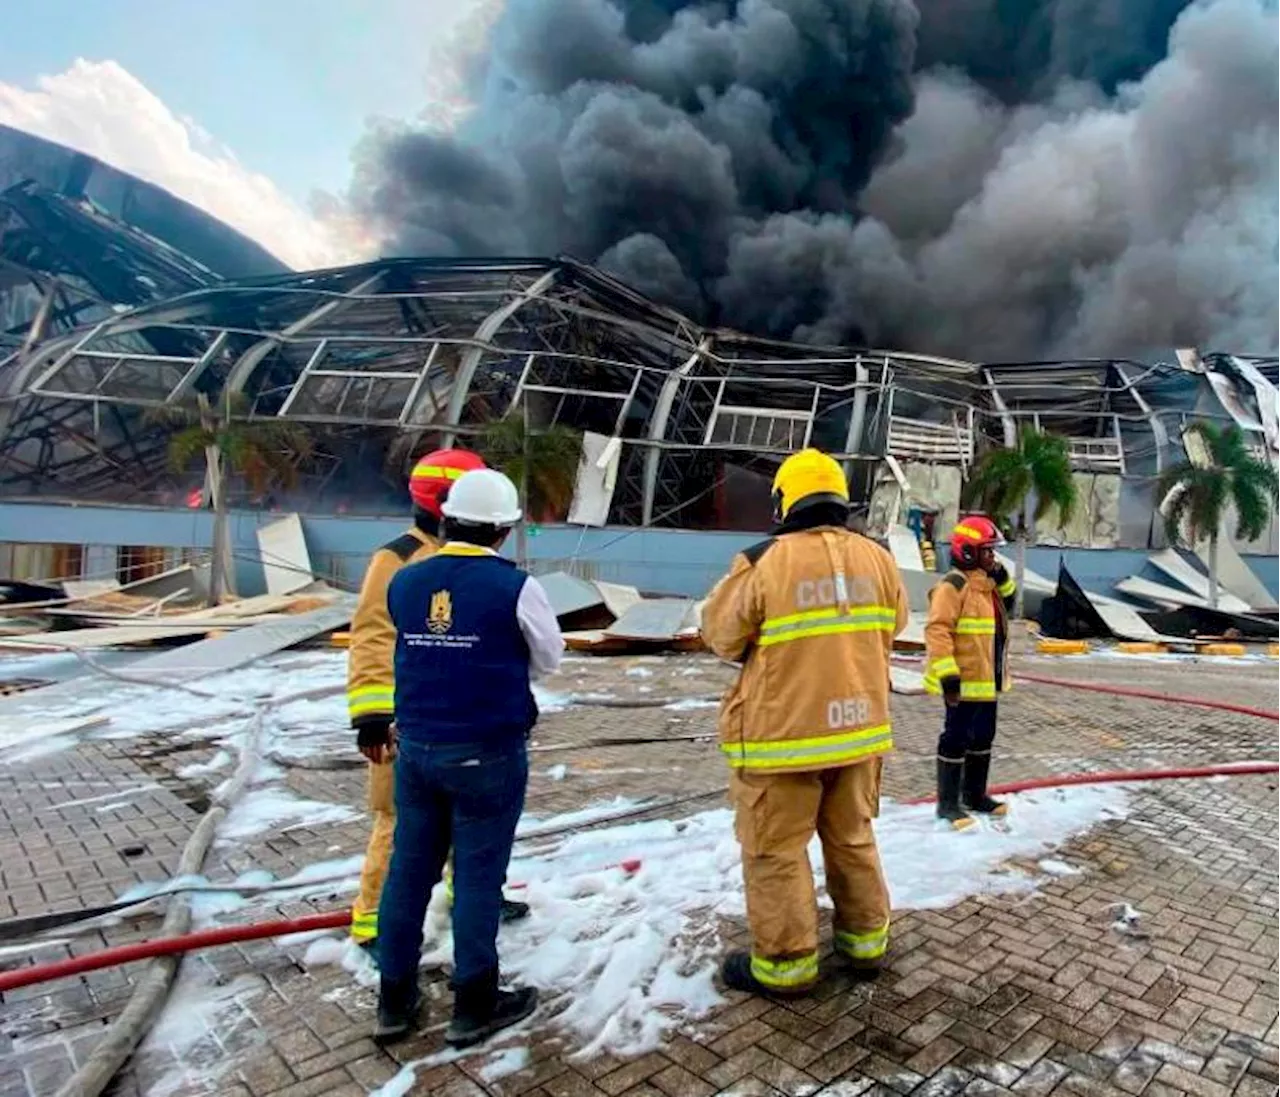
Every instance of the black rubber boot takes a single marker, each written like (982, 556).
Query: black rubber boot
(480, 1009)
(398, 1005)
(977, 769)
(736, 972)
(950, 774)
(513, 911)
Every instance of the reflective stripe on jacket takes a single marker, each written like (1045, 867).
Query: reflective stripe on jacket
(371, 657)
(966, 612)
(811, 615)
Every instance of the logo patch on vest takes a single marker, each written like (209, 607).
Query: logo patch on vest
(440, 615)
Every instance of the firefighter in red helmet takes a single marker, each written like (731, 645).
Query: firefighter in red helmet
(370, 673)
(967, 663)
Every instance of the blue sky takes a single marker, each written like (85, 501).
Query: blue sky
(249, 109)
(286, 84)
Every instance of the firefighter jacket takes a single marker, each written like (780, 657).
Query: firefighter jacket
(811, 615)
(967, 634)
(371, 657)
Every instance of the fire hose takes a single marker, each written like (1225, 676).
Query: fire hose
(167, 946)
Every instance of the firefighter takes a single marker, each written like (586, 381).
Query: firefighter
(471, 630)
(967, 663)
(811, 614)
(370, 696)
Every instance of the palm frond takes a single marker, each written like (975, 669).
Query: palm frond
(1004, 478)
(186, 444)
(1233, 476)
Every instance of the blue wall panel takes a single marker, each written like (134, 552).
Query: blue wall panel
(655, 560)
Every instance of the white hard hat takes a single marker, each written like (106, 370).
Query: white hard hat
(483, 497)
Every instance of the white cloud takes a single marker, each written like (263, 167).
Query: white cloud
(101, 109)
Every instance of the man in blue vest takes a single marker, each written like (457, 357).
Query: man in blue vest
(471, 629)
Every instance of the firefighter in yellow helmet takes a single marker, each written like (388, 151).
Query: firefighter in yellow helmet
(811, 614)
(371, 677)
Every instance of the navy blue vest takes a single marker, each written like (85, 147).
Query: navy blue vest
(462, 664)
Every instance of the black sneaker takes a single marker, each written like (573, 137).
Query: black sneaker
(398, 1008)
(513, 911)
(472, 1025)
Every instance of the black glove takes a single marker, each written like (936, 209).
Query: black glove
(373, 738)
(1000, 574)
(951, 691)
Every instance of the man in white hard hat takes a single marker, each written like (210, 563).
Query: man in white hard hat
(471, 630)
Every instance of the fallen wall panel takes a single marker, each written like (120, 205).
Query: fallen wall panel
(1180, 571)
(286, 563)
(1237, 577)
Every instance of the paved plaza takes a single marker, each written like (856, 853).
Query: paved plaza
(1140, 957)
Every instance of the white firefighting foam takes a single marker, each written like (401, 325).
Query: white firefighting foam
(624, 958)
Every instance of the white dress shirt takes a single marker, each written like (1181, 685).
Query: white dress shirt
(538, 623)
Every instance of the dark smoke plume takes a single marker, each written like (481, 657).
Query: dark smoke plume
(990, 179)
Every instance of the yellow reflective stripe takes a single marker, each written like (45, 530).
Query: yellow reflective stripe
(978, 691)
(826, 622)
(824, 750)
(863, 946)
(785, 973)
(946, 667)
(1006, 588)
(976, 626)
(364, 924)
(826, 613)
(969, 531)
(435, 472)
(457, 548)
(366, 699)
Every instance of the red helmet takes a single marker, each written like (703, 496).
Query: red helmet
(433, 474)
(974, 532)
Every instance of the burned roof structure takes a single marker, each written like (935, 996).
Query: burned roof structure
(384, 359)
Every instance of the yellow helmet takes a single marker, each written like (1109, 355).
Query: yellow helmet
(805, 479)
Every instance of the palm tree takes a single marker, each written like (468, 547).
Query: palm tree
(265, 452)
(542, 463)
(1006, 478)
(1199, 495)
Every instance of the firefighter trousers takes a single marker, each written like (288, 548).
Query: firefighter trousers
(776, 816)
(377, 857)
(967, 728)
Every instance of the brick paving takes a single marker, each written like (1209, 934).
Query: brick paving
(1015, 994)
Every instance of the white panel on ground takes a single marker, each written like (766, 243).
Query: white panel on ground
(569, 594)
(913, 635)
(1125, 623)
(597, 476)
(905, 549)
(285, 560)
(1180, 571)
(88, 588)
(1237, 577)
(245, 645)
(617, 597)
(656, 619)
(904, 680)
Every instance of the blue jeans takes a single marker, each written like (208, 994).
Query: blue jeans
(468, 798)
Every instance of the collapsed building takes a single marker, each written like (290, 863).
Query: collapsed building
(106, 325)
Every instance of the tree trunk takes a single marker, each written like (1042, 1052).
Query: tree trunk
(220, 581)
(522, 531)
(1020, 565)
(1213, 570)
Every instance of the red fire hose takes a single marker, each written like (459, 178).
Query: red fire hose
(123, 954)
(1149, 695)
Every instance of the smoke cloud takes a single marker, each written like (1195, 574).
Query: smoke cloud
(981, 179)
